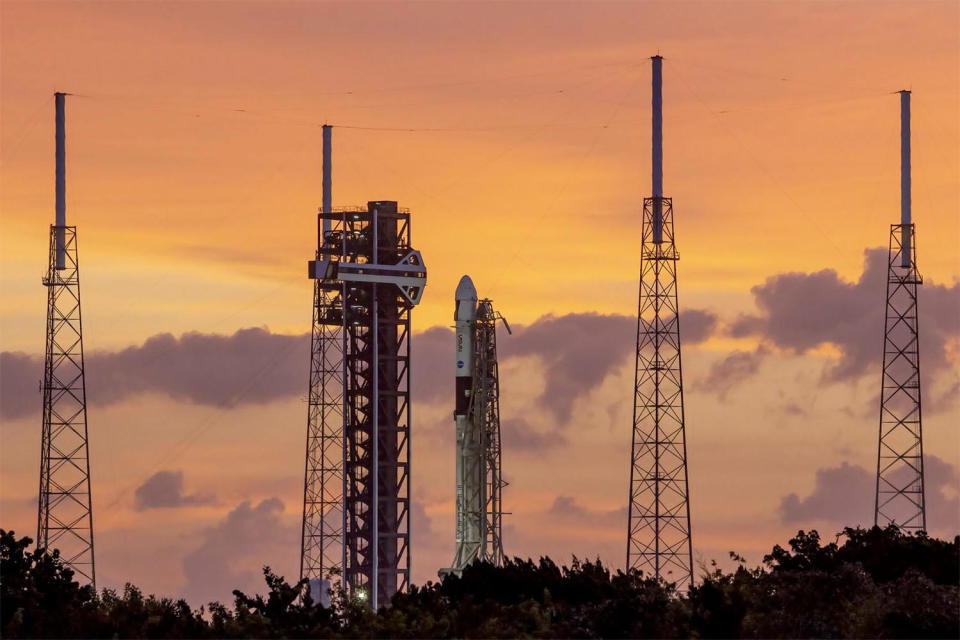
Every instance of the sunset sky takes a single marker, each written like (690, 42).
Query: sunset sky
(518, 136)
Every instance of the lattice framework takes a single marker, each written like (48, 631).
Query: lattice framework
(322, 549)
(357, 482)
(487, 417)
(900, 479)
(658, 539)
(65, 513)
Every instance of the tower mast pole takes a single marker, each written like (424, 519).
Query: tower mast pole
(65, 509)
(658, 531)
(900, 498)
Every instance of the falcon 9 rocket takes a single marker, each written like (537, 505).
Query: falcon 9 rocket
(467, 442)
(476, 418)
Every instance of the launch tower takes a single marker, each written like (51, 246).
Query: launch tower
(356, 517)
(479, 482)
(900, 490)
(658, 529)
(65, 514)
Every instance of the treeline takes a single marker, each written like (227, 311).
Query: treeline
(876, 583)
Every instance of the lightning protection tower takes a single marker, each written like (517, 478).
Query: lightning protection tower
(65, 514)
(900, 491)
(658, 529)
(479, 481)
(356, 517)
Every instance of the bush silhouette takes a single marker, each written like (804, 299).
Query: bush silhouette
(868, 583)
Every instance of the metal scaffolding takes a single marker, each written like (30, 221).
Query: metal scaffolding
(659, 541)
(487, 396)
(658, 527)
(65, 514)
(65, 510)
(900, 487)
(322, 550)
(899, 497)
(357, 481)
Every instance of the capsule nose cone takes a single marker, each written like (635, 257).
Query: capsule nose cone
(465, 308)
(466, 290)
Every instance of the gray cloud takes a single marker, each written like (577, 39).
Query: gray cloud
(567, 509)
(802, 311)
(793, 409)
(841, 494)
(420, 520)
(20, 376)
(729, 372)
(578, 351)
(257, 366)
(432, 351)
(844, 496)
(250, 366)
(696, 325)
(164, 489)
(517, 435)
(233, 551)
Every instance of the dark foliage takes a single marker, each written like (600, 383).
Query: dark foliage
(875, 583)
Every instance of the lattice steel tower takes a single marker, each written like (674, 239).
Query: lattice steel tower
(476, 415)
(900, 488)
(65, 514)
(356, 517)
(658, 530)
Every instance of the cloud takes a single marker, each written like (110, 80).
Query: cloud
(255, 366)
(432, 352)
(420, 523)
(696, 325)
(729, 372)
(577, 351)
(518, 436)
(844, 496)
(802, 311)
(566, 509)
(164, 489)
(233, 551)
(250, 366)
(20, 376)
(841, 494)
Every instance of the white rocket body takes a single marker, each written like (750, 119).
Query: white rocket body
(464, 315)
(468, 524)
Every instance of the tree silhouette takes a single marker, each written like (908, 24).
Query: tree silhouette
(869, 582)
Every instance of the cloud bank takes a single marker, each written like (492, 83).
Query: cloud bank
(799, 312)
(164, 490)
(232, 552)
(844, 496)
(254, 366)
(250, 366)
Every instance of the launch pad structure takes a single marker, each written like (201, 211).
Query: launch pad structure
(356, 514)
(900, 497)
(658, 528)
(65, 510)
(479, 478)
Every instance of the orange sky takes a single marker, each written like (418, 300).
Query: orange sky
(193, 176)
